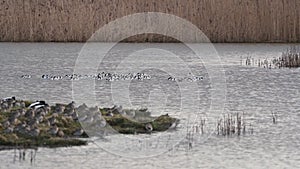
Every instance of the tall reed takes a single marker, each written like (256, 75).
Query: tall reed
(221, 21)
(233, 125)
(288, 59)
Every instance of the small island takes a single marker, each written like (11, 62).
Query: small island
(27, 124)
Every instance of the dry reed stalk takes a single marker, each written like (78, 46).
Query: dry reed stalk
(221, 21)
(228, 125)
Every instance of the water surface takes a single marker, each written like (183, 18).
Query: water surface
(255, 91)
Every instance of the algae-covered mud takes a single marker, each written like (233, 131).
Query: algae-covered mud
(34, 124)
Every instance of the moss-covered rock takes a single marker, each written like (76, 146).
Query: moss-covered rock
(164, 122)
(129, 126)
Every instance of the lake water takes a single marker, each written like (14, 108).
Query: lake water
(224, 86)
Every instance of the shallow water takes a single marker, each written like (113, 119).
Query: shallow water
(255, 91)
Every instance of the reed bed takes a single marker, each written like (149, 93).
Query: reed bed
(288, 59)
(228, 125)
(233, 125)
(221, 21)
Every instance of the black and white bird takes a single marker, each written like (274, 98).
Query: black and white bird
(38, 104)
(9, 98)
(149, 127)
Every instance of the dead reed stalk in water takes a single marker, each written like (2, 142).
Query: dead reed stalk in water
(274, 117)
(288, 59)
(230, 125)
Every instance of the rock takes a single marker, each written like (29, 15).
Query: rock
(78, 132)
(164, 122)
